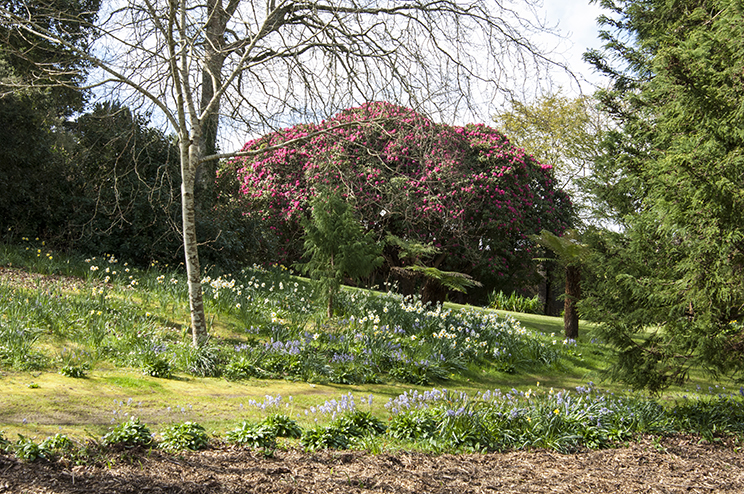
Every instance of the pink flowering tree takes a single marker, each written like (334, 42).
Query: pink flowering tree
(464, 190)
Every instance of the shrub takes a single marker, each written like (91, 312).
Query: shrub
(283, 426)
(187, 435)
(358, 423)
(129, 434)
(467, 187)
(337, 246)
(320, 437)
(254, 436)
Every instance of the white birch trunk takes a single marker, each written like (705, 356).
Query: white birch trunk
(190, 155)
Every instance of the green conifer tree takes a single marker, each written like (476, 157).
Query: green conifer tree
(337, 246)
(668, 290)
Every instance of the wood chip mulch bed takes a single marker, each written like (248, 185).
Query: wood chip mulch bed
(677, 464)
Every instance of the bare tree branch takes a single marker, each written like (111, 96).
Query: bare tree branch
(263, 64)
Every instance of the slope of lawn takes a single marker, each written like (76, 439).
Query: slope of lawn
(88, 344)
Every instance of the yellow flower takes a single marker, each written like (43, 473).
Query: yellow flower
(556, 411)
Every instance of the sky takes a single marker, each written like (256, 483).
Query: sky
(577, 21)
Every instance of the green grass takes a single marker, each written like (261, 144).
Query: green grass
(74, 315)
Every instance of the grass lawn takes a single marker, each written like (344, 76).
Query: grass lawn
(124, 331)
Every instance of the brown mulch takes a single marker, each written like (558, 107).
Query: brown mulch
(669, 465)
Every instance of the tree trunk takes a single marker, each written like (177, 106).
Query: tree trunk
(214, 59)
(545, 294)
(331, 290)
(190, 155)
(329, 309)
(573, 295)
(433, 291)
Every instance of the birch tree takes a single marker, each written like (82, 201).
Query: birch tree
(201, 64)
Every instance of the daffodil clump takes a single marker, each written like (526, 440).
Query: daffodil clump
(124, 315)
(375, 336)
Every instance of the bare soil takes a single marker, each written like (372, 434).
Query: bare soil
(677, 464)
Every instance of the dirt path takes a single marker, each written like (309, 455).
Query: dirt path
(670, 465)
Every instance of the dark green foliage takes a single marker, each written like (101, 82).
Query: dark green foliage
(39, 81)
(127, 187)
(186, 435)
(27, 450)
(254, 436)
(108, 183)
(337, 246)
(155, 366)
(283, 426)
(129, 434)
(358, 423)
(321, 437)
(75, 371)
(58, 71)
(32, 171)
(669, 291)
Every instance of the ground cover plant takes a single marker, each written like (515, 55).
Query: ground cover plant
(438, 421)
(278, 330)
(362, 379)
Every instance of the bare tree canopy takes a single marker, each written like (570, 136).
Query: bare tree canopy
(262, 64)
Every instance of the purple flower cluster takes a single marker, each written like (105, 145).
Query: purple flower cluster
(291, 347)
